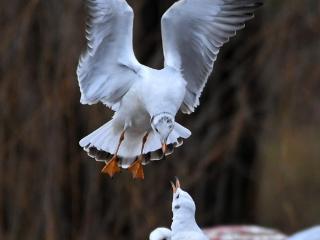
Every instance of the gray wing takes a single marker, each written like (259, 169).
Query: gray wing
(108, 68)
(193, 32)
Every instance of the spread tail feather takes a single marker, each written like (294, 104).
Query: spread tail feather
(102, 143)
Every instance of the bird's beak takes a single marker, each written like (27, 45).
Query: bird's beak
(164, 148)
(174, 189)
(175, 186)
(177, 183)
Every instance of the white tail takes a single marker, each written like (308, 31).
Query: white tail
(102, 143)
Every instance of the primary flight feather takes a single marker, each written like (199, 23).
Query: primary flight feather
(146, 100)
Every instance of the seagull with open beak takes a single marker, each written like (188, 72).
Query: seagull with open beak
(184, 225)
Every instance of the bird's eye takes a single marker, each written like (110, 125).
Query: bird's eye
(157, 130)
(177, 207)
(177, 196)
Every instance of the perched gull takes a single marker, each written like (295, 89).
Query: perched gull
(146, 100)
(184, 225)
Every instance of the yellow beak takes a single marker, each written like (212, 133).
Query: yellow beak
(175, 186)
(174, 189)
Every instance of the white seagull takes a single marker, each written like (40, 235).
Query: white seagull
(146, 100)
(184, 225)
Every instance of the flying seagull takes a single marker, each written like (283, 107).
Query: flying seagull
(184, 225)
(146, 100)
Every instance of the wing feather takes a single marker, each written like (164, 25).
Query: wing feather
(108, 68)
(193, 31)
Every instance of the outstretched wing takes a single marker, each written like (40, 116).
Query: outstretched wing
(193, 32)
(108, 68)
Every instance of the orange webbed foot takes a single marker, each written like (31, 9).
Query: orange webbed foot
(111, 168)
(136, 169)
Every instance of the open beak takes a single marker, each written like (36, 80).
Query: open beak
(164, 148)
(174, 189)
(175, 186)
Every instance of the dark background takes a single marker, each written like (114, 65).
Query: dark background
(253, 156)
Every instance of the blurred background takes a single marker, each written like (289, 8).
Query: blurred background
(253, 156)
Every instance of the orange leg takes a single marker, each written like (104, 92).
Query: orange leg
(111, 167)
(136, 168)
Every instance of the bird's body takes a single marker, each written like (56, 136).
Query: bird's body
(146, 100)
(134, 112)
(184, 225)
(165, 85)
(189, 235)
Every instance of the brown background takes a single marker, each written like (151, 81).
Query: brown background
(253, 156)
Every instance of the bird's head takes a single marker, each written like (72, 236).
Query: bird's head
(163, 124)
(182, 203)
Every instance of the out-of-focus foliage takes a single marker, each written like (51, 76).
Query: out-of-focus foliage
(253, 156)
(289, 186)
